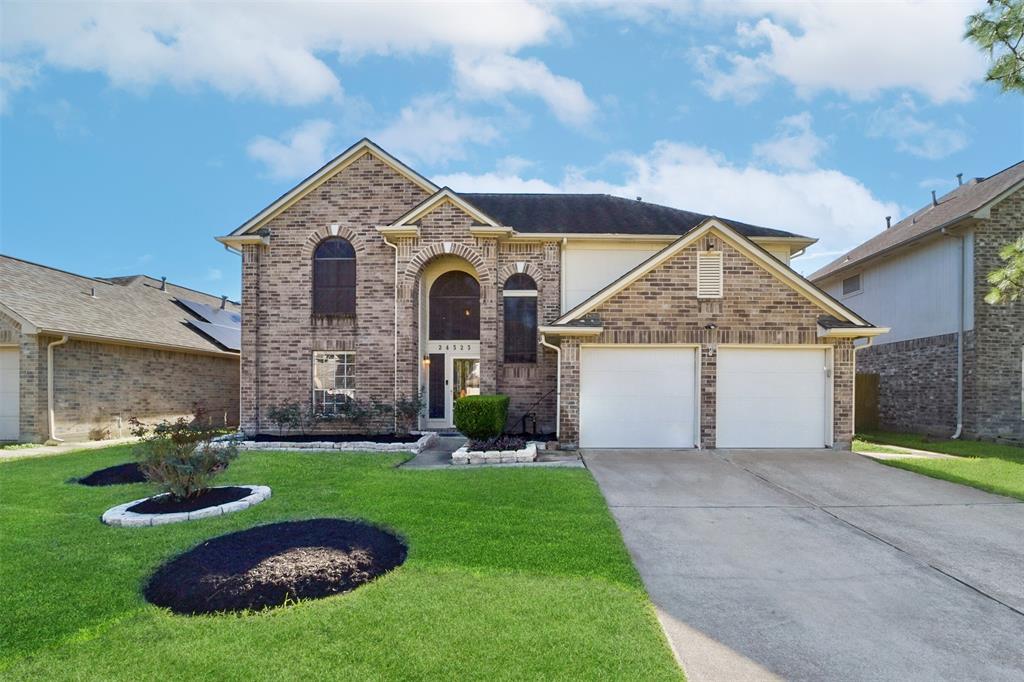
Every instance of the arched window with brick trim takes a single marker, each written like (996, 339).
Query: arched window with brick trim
(334, 277)
(520, 302)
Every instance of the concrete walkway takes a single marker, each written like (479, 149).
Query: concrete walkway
(63, 448)
(820, 565)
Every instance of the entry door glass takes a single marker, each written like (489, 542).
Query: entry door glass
(435, 386)
(465, 377)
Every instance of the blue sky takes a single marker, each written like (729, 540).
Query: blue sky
(131, 135)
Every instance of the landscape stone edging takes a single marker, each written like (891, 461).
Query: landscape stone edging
(466, 456)
(120, 516)
(425, 441)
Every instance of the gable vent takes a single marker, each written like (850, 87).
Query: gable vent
(709, 274)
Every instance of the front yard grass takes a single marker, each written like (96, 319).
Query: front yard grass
(511, 574)
(993, 467)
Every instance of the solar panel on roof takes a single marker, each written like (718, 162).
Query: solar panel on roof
(229, 337)
(221, 316)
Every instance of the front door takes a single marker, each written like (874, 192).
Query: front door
(450, 377)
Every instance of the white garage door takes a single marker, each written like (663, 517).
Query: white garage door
(637, 397)
(771, 398)
(8, 394)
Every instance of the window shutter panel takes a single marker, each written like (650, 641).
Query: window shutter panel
(709, 274)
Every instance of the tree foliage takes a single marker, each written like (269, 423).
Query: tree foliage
(999, 30)
(1008, 281)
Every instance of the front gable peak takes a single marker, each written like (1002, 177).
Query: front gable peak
(483, 224)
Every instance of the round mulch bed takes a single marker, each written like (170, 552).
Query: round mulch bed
(272, 565)
(211, 497)
(115, 475)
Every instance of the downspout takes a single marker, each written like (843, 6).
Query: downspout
(394, 373)
(558, 384)
(959, 339)
(52, 440)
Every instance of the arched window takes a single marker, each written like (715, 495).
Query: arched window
(334, 278)
(520, 299)
(455, 307)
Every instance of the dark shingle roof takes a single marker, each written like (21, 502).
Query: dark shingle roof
(953, 207)
(127, 309)
(597, 214)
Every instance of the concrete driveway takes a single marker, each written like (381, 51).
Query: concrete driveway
(816, 564)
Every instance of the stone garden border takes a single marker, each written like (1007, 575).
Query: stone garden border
(424, 442)
(120, 516)
(466, 456)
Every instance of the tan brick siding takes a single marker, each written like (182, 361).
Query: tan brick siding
(993, 391)
(662, 307)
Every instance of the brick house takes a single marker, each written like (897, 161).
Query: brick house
(608, 321)
(80, 356)
(952, 362)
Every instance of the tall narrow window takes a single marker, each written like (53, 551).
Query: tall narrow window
(520, 299)
(334, 278)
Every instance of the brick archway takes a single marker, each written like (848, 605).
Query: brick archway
(509, 269)
(314, 239)
(484, 273)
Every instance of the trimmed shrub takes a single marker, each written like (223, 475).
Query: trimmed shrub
(480, 417)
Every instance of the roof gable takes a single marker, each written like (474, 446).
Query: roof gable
(742, 244)
(327, 171)
(444, 196)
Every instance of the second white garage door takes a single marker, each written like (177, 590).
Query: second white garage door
(771, 398)
(635, 397)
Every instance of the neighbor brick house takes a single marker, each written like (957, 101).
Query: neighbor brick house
(81, 356)
(612, 322)
(952, 364)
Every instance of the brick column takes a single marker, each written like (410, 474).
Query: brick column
(708, 393)
(569, 419)
(488, 317)
(248, 407)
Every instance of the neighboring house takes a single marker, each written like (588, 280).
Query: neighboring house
(925, 277)
(616, 323)
(80, 356)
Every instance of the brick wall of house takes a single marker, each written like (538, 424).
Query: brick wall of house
(995, 411)
(98, 387)
(662, 307)
(916, 383)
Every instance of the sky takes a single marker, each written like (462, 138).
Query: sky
(133, 134)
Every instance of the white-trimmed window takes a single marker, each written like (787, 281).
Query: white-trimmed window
(852, 285)
(709, 274)
(334, 380)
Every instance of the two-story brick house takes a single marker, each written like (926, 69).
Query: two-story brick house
(952, 363)
(612, 322)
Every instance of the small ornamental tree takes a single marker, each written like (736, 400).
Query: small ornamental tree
(180, 457)
(408, 410)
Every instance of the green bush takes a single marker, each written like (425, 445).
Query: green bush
(480, 417)
(181, 457)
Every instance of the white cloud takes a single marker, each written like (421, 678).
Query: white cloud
(433, 130)
(794, 146)
(859, 49)
(484, 76)
(13, 77)
(273, 51)
(214, 274)
(302, 150)
(817, 202)
(914, 135)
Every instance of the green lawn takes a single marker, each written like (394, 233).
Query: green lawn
(989, 466)
(512, 573)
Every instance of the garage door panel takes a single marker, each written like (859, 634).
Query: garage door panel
(771, 398)
(9, 398)
(637, 397)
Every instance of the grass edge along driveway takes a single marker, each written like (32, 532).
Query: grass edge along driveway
(512, 573)
(992, 467)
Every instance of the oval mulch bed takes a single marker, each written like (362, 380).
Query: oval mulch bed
(272, 565)
(211, 497)
(115, 475)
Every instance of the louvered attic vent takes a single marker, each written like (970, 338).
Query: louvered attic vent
(709, 274)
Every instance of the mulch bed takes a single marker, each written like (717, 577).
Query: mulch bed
(337, 438)
(115, 475)
(272, 565)
(212, 497)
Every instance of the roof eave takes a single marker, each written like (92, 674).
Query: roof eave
(851, 332)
